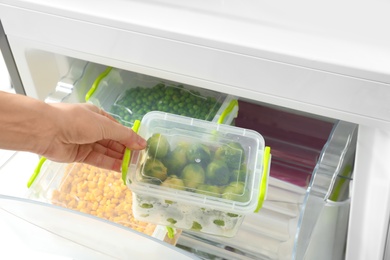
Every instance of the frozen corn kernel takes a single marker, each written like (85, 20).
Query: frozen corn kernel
(98, 192)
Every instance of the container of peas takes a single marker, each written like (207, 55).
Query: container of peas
(197, 175)
(128, 96)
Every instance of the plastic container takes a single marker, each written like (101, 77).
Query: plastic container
(128, 96)
(92, 191)
(197, 175)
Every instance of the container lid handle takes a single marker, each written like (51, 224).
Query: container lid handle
(228, 110)
(127, 155)
(36, 172)
(264, 178)
(97, 82)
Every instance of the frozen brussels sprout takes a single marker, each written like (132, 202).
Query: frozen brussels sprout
(176, 160)
(193, 175)
(217, 173)
(172, 221)
(219, 222)
(239, 174)
(174, 182)
(210, 190)
(155, 168)
(158, 146)
(196, 226)
(146, 205)
(198, 153)
(236, 191)
(232, 153)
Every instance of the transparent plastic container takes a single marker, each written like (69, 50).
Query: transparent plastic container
(128, 96)
(92, 191)
(197, 175)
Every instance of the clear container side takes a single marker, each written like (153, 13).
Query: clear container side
(268, 234)
(195, 175)
(72, 87)
(204, 143)
(128, 96)
(68, 233)
(331, 180)
(90, 190)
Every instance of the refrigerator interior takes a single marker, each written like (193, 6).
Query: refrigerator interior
(308, 196)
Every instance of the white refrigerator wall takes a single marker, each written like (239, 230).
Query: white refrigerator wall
(307, 62)
(224, 58)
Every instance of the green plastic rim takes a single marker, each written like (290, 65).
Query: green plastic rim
(170, 232)
(127, 154)
(264, 178)
(227, 111)
(96, 83)
(36, 172)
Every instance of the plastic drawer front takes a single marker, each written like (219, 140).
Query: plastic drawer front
(78, 235)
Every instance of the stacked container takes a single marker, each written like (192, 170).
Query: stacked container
(197, 175)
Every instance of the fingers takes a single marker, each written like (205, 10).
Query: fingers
(102, 156)
(117, 132)
(133, 141)
(111, 145)
(103, 161)
(124, 135)
(110, 148)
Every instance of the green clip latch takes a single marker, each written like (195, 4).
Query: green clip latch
(127, 155)
(170, 232)
(97, 82)
(36, 172)
(227, 111)
(264, 178)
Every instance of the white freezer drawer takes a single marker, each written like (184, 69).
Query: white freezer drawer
(312, 165)
(45, 230)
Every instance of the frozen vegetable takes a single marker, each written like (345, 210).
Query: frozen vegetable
(176, 160)
(198, 153)
(219, 222)
(210, 190)
(236, 191)
(174, 182)
(232, 153)
(146, 205)
(193, 175)
(217, 173)
(155, 168)
(239, 174)
(135, 102)
(196, 226)
(172, 221)
(98, 192)
(213, 169)
(158, 146)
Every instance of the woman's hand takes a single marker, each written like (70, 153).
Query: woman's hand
(65, 132)
(88, 134)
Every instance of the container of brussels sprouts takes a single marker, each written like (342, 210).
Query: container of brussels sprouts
(197, 175)
(128, 96)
